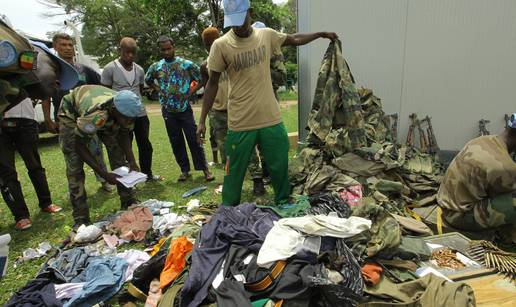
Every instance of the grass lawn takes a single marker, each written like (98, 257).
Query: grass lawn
(55, 228)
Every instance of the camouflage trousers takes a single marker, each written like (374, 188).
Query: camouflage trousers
(218, 131)
(488, 213)
(76, 176)
(96, 150)
(255, 164)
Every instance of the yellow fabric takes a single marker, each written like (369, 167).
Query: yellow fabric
(439, 221)
(221, 100)
(251, 104)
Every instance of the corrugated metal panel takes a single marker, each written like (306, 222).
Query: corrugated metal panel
(451, 59)
(460, 65)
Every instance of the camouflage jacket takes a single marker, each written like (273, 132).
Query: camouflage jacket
(482, 169)
(13, 75)
(86, 110)
(336, 93)
(278, 71)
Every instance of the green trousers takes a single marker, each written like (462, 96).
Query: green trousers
(274, 144)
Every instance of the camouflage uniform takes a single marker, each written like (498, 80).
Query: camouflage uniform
(219, 117)
(278, 72)
(84, 113)
(14, 77)
(479, 188)
(255, 164)
(219, 130)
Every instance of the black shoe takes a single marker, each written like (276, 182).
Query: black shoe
(127, 204)
(258, 187)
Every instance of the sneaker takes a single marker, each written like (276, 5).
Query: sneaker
(258, 187)
(52, 208)
(23, 224)
(108, 187)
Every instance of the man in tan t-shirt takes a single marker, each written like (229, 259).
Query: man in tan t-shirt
(219, 113)
(253, 112)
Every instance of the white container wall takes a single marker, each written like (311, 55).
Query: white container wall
(454, 60)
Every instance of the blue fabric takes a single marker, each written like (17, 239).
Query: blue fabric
(105, 277)
(39, 292)
(174, 79)
(244, 225)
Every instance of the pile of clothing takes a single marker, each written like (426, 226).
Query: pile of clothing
(318, 251)
(350, 147)
(87, 268)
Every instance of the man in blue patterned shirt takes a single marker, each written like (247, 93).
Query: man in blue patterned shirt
(172, 76)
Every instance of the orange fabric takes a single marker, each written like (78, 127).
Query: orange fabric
(372, 273)
(175, 261)
(193, 85)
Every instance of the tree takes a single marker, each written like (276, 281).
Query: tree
(105, 22)
(216, 13)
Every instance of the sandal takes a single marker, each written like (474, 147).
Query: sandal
(209, 177)
(184, 177)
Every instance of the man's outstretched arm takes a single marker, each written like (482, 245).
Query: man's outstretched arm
(299, 39)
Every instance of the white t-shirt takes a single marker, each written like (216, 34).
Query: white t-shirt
(118, 78)
(24, 109)
(129, 75)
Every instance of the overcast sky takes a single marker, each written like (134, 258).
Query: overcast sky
(26, 15)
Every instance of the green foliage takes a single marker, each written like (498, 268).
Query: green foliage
(290, 26)
(291, 73)
(107, 21)
(288, 96)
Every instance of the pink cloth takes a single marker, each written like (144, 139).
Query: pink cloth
(352, 195)
(133, 224)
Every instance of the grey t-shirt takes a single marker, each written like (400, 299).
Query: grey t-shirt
(118, 78)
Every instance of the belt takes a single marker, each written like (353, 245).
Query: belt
(12, 122)
(8, 124)
(267, 280)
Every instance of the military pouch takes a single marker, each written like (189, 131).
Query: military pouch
(411, 248)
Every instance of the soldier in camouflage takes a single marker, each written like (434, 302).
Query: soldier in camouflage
(89, 111)
(478, 191)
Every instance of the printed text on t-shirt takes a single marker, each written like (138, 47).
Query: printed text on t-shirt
(249, 59)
